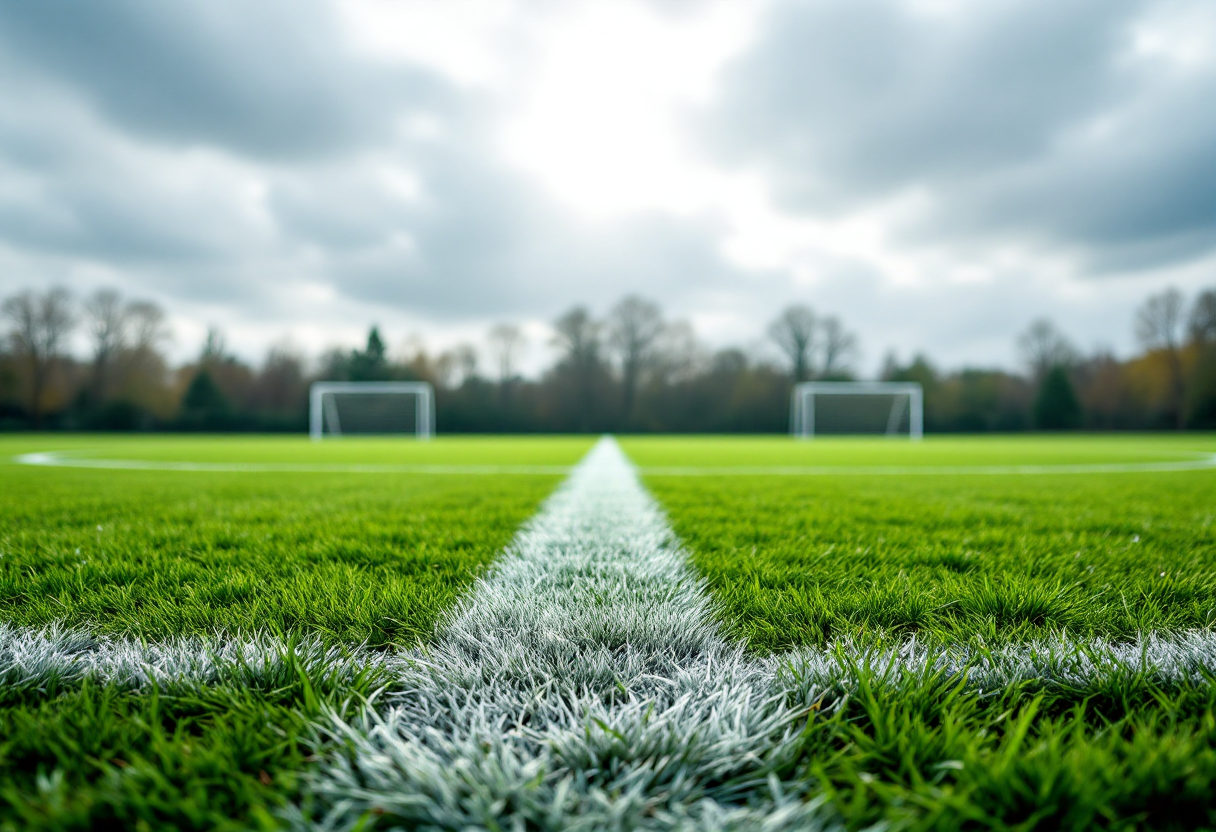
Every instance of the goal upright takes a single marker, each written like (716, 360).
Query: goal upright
(371, 408)
(890, 408)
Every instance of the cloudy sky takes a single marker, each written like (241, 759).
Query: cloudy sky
(938, 173)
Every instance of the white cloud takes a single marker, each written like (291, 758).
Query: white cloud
(600, 122)
(467, 41)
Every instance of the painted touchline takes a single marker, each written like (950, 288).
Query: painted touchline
(64, 459)
(1206, 461)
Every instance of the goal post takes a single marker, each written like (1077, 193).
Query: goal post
(344, 408)
(890, 408)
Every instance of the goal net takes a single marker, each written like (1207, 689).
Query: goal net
(349, 408)
(884, 408)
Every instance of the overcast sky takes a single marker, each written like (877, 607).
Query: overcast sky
(938, 173)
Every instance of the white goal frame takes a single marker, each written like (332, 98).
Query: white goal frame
(802, 404)
(319, 406)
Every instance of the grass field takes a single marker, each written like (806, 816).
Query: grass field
(349, 557)
(344, 557)
(802, 560)
(931, 623)
(979, 559)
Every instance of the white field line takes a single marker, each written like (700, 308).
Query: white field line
(1200, 463)
(68, 459)
(38, 658)
(584, 685)
(48, 658)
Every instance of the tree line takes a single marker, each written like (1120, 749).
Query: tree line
(631, 370)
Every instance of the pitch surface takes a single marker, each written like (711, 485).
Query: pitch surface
(588, 680)
(1048, 548)
(347, 557)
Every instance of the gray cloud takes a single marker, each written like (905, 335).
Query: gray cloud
(269, 87)
(224, 158)
(269, 79)
(71, 188)
(1020, 121)
(481, 240)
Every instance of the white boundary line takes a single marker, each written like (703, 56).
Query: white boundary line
(1205, 462)
(64, 459)
(585, 684)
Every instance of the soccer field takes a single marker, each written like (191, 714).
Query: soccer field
(699, 633)
(954, 540)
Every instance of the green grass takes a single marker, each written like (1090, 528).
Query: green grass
(922, 755)
(792, 561)
(218, 759)
(348, 557)
(184, 756)
(796, 561)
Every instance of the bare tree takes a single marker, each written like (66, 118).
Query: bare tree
(215, 345)
(40, 324)
(1159, 329)
(107, 321)
(1203, 318)
(507, 341)
(146, 325)
(1159, 321)
(280, 384)
(679, 355)
(466, 360)
(457, 365)
(794, 332)
(141, 366)
(578, 335)
(1043, 347)
(837, 348)
(634, 326)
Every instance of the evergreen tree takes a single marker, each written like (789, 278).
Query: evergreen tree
(204, 405)
(375, 347)
(1056, 406)
(370, 364)
(1201, 392)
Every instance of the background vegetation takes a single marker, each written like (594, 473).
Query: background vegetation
(633, 371)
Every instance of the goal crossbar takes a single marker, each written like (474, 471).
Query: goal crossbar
(323, 406)
(907, 398)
